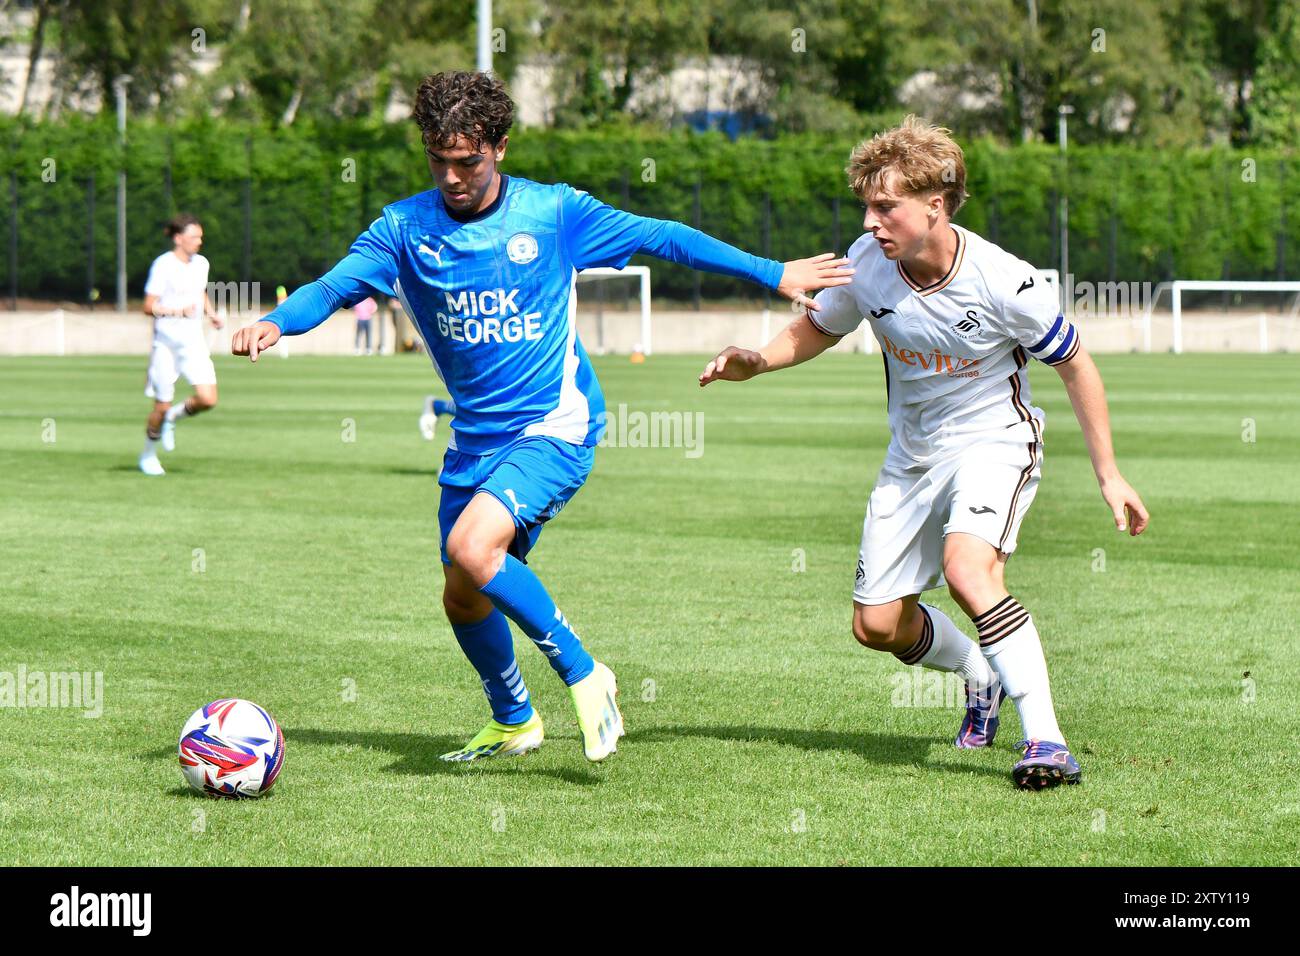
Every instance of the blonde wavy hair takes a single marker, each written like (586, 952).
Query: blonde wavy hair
(923, 158)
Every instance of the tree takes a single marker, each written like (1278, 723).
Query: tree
(44, 11)
(1240, 29)
(281, 58)
(100, 40)
(433, 42)
(1275, 106)
(603, 54)
(1130, 69)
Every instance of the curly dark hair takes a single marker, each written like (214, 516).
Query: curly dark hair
(461, 103)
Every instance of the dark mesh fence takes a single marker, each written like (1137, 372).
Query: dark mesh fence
(281, 207)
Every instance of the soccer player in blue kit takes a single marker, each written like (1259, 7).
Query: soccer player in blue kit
(485, 265)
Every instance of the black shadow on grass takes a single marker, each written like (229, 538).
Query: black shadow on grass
(419, 755)
(136, 469)
(892, 749)
(183, 792)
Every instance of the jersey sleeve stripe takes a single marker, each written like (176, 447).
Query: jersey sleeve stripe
(820, 328)
(1067, 349)
(1070, 354)
(1051, 334)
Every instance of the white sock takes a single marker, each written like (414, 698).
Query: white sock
(1010, 641)
(943, 647)
(176, 412)
(150, 446)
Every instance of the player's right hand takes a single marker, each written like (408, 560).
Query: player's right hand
(733, 365)
(254, 338)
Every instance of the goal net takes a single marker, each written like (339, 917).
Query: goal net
(614, 310)
(1222, 316)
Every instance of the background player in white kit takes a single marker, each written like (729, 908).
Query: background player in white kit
(176, 295)
(956, 318)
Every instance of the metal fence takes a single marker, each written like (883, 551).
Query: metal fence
(61, 236)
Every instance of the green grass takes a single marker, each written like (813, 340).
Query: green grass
(749, 705)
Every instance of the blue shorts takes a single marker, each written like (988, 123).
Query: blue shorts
(534, 477)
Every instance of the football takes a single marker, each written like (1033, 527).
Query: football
(231, 748)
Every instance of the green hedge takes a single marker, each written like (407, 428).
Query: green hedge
(276, 208)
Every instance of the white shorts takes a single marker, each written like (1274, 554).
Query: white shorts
(984, 490)
(179, 348)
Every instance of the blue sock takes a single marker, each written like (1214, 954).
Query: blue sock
(518, 592)
(491, 650)
(441, 407)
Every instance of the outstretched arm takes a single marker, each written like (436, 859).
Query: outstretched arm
(370, 268)
(599, 235)
(679, 243)
(797, 342)
(1088, 396)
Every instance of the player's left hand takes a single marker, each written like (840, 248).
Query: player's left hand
(1130, 514)
(216, 320)
(806, 275)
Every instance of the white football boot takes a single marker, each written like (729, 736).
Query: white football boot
(428, 420)
(150, 464)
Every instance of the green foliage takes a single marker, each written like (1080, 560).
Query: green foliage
(606, 52)
(1169, 73)
(148, 40)
(304, 193)
(1276, 104)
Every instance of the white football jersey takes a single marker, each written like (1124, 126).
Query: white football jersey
(179, 285)
(955, 351)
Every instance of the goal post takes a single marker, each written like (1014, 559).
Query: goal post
(640, 273)
(1179, 287)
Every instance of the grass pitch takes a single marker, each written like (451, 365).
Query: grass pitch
(280, 562)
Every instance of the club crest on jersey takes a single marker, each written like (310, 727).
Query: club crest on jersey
(522, 248)
(968, 327)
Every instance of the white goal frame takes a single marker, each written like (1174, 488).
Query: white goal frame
(1179, 286)
(641, 272)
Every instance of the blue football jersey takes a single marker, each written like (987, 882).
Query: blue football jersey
(494, 300)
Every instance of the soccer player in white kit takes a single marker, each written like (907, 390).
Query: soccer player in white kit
(176, 296)
(957, 319)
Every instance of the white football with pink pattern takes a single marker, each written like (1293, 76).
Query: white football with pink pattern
(231, 748)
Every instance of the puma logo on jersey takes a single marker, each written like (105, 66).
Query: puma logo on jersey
(1027, 284)
(510, 493)
(982, 510)
(429, 252)
(881, 313)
